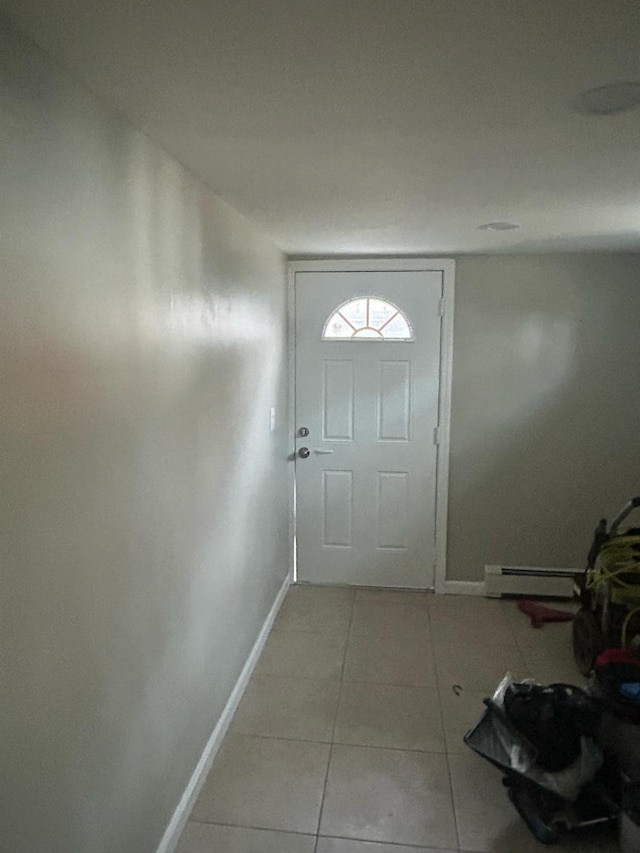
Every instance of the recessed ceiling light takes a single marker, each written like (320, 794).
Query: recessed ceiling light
(498, 226)
(610, 99)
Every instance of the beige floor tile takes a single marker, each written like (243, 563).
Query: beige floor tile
(556, 643)
(388, 795)
(315, 613)
(409, 598)
(441, 606)
(295, 708)
(298, 653)
(477, 667)
(320, 592)
(398, 620)
(211, 838)
(547, 651)
(343, 845)
(548, 666)
(459, 714)
(265, 784)
(384, 659)
(486, 819)
(389, 716)
(465, 619)
(460, 628)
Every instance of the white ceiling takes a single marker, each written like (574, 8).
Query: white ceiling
(377, 126)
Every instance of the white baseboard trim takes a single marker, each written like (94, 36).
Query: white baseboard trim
(464, 587)
(183, 809)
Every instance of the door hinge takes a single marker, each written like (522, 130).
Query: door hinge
(436, 435)
(441, 307)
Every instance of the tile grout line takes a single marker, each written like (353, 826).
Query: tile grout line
(311, 835)
(342, 743)
(291, 677)
(335, 720)
(323, 743)
(437, 693)
(346, 647)
(444, 736)
(404, 845)
(324, 793)
(342, 681)
(514, 644)
(250, 826)
(527, 668)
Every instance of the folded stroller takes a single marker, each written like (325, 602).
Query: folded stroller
(550, 802)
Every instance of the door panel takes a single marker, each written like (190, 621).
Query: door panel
(394, 401)
(337, 504)
(365, 495)
(337, 401)
(392, 509)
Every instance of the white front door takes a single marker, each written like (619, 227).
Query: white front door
(366, 417)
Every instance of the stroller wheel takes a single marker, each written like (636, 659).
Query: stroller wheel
(587, 640)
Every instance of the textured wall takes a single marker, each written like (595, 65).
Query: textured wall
(144, 498)
(546, 406)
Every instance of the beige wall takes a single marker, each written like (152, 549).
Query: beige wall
(545, 422)
(144, 498)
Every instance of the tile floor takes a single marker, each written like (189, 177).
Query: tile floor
(349, 736)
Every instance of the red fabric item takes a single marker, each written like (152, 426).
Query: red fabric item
(616, 656)
(539, 614)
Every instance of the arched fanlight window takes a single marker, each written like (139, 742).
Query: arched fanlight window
(367, 318)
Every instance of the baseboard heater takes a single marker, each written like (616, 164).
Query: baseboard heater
(529, 581)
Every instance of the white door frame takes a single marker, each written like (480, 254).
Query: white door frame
(447, 267)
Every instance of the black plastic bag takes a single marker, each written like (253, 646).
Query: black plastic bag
(553, 719)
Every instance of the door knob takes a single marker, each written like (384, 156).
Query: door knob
(303, 452)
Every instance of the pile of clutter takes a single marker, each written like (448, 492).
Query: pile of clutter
(570, 757)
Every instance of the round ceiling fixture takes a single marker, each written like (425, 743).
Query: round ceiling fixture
(498, 226)
(610, 99)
